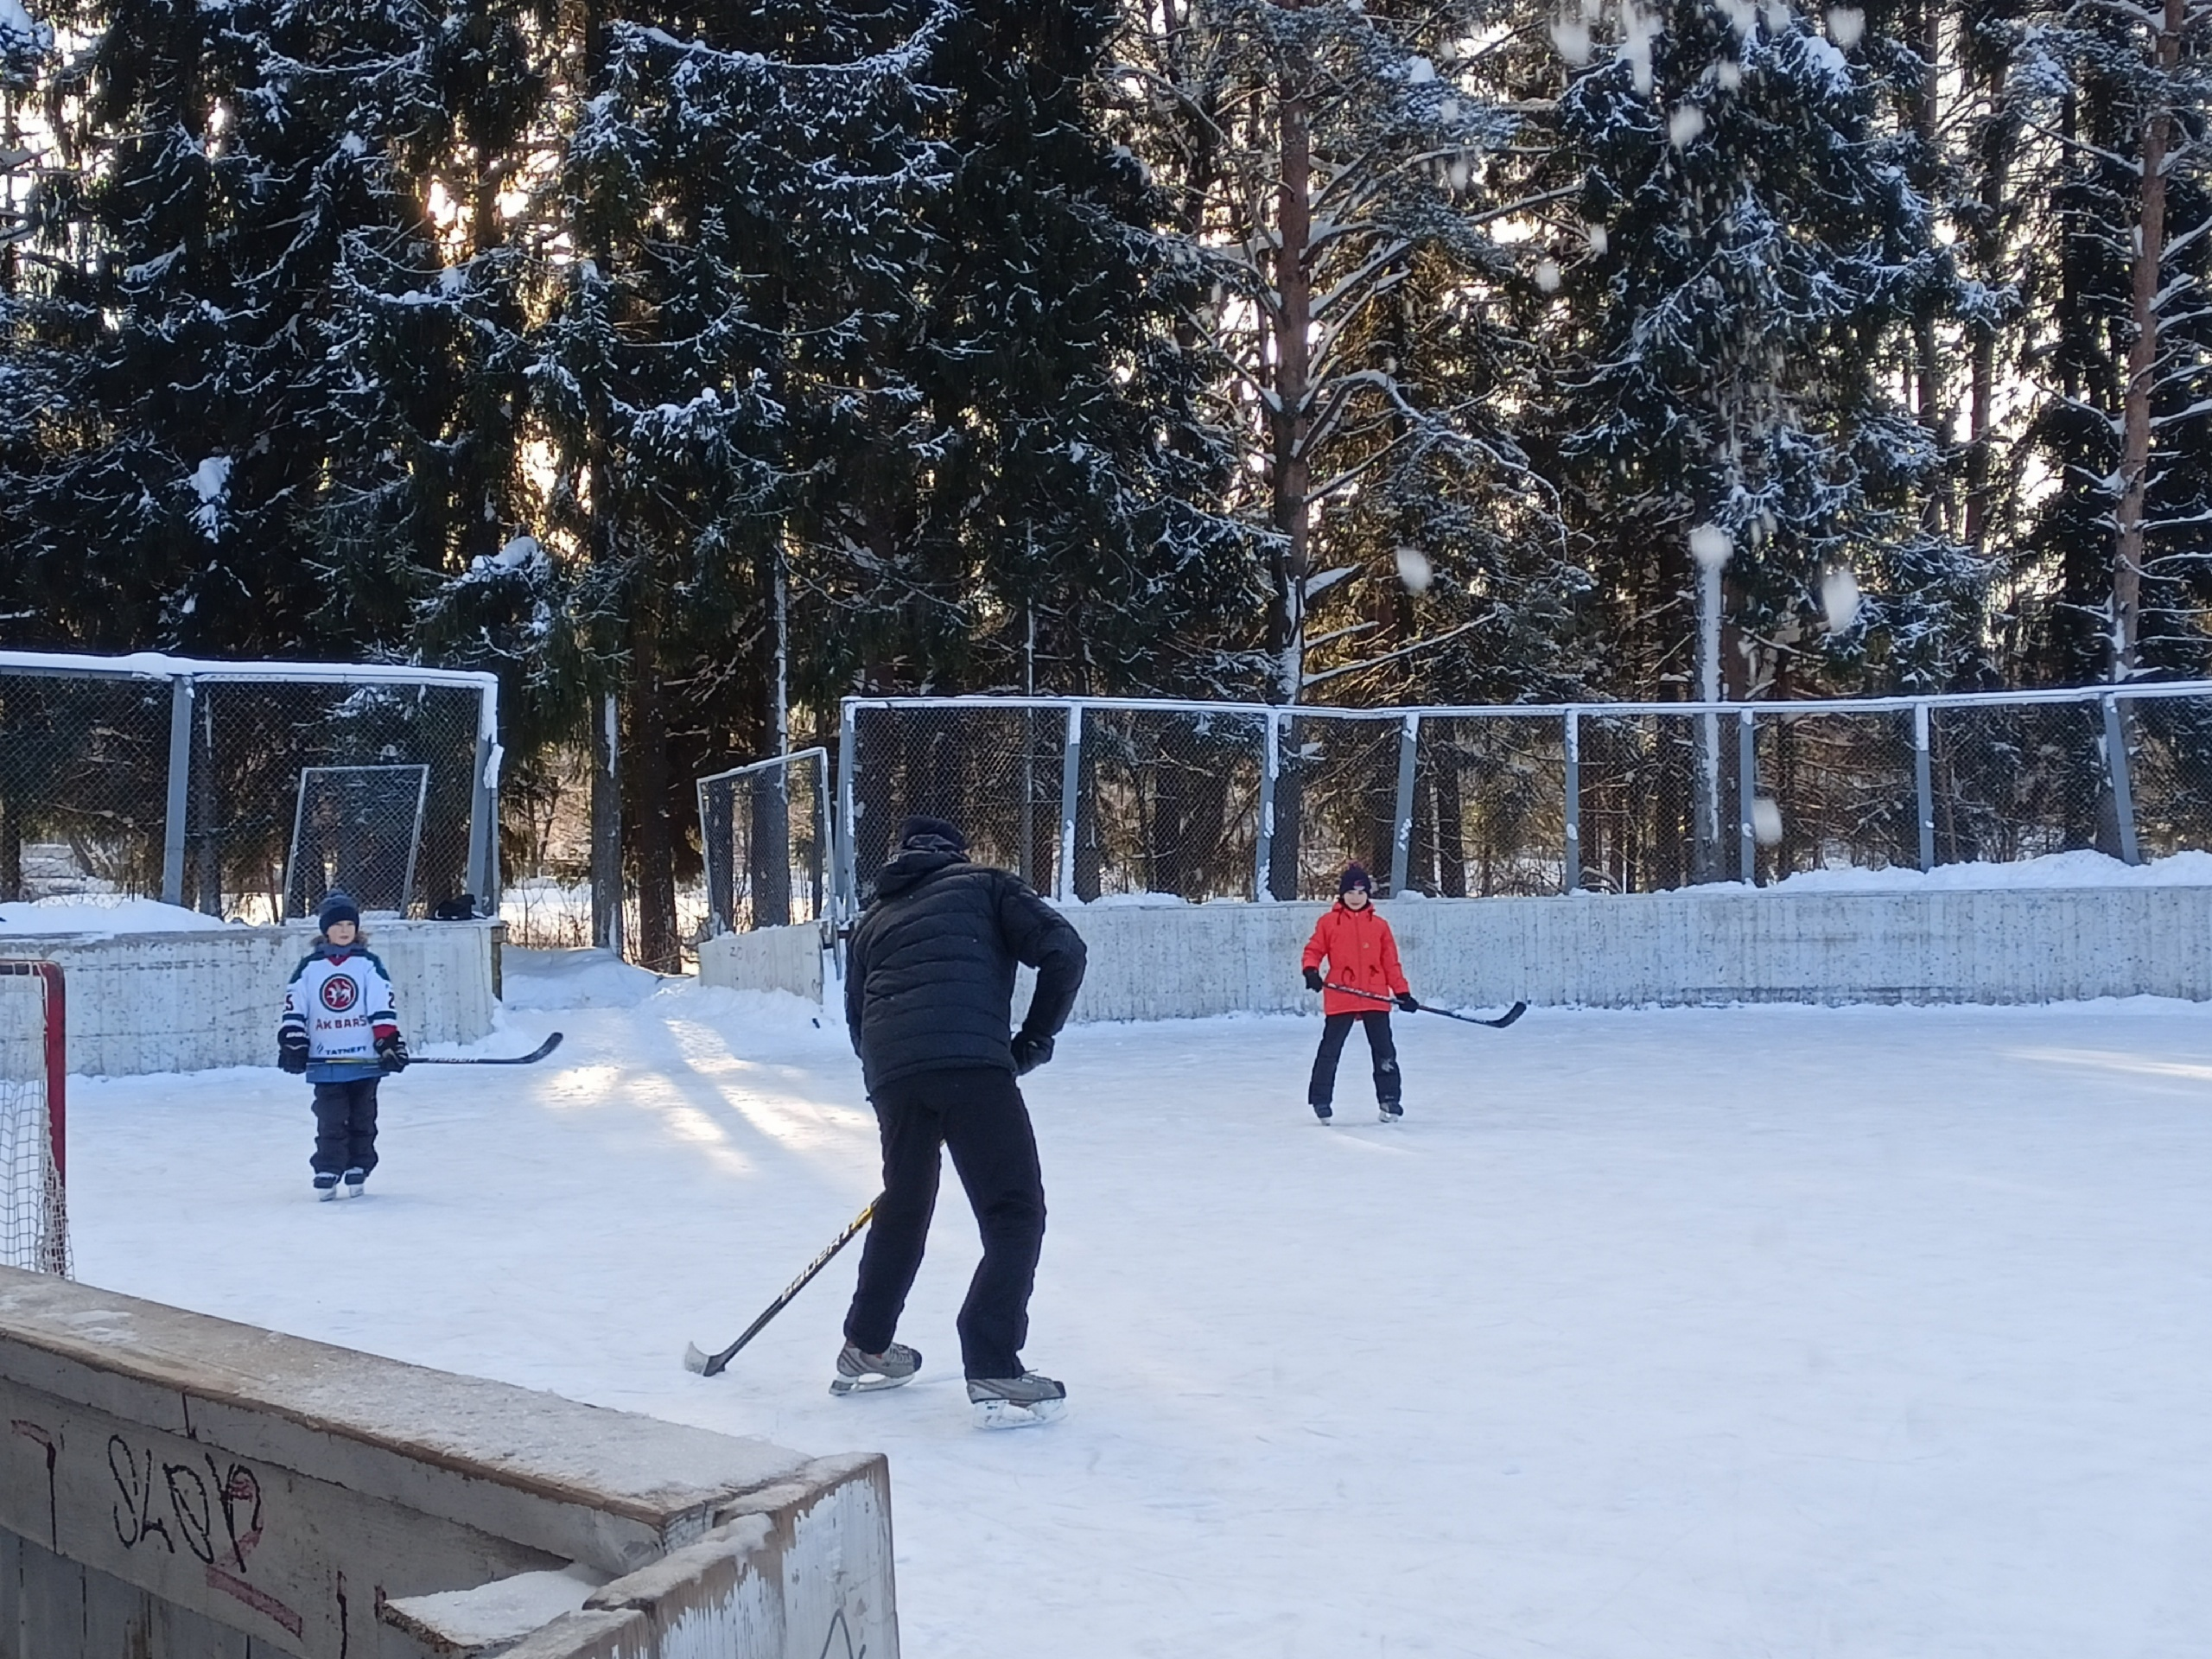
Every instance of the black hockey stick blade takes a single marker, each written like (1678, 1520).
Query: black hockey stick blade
(1499, 1024)
(707, 1365)
(531, 1058)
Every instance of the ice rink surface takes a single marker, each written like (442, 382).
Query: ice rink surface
(1696, 1333)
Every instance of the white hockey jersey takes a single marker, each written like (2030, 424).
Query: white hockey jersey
(341, 998)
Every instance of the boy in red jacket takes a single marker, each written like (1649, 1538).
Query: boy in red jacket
(1362, 956)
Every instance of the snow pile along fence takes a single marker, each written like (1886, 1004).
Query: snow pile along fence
(197, 1488)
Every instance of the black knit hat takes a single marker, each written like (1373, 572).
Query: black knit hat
(931, 834)
(337, 907)
(1354, 876)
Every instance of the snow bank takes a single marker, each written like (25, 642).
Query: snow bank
(2074, 870)
(572, 979)
(103, 916)
(507, 1610)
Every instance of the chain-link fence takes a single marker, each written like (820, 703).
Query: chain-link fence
(220, 785)
(1091, 798)
(764, 830)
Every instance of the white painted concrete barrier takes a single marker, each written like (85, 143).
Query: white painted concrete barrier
(767, 959)
(1715, 944)
(186, 1001)
(181, 1487)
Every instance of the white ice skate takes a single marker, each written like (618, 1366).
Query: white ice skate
(1389, 1111)
(1026, 1401)
(860, 1373)
(356, 1180)
(326, 1187)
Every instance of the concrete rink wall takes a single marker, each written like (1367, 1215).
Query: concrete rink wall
(767, 959)
(174, 1486)
(190, 1001)
(1703, 946)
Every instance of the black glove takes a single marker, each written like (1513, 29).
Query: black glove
(391, 1052)
(1406, 1003)
(1030, 1052)
(292, 1051)
(1312, 979)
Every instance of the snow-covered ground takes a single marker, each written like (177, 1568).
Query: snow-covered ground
(1693, 1333)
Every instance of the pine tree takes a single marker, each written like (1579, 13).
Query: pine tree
(1754, 252)
(1316, 154)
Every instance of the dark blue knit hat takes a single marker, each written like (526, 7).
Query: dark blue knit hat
(1354, 876)
(931, 834)
(337, 907)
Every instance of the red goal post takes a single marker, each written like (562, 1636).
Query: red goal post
(33, 1117)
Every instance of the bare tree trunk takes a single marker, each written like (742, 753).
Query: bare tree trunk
(2142, 361)
(651, 835)
(1989, 250)
(1290, 466)
(1289, 419)
(11, 851)
(1936, 514)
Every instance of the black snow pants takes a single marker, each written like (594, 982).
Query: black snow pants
(344, 1126)
(977, 1112)
(1334, 1029)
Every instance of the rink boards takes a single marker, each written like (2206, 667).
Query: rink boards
(174, 1486)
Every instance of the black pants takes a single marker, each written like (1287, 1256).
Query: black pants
(978, 1114)
(344, 1126)
(1334, 1030)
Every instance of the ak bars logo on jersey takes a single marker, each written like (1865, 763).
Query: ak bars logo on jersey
(342, 999)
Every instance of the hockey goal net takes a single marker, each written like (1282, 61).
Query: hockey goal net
(34, 1212)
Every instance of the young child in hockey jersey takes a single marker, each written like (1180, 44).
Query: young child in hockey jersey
(1362, 958)
(338, 1031)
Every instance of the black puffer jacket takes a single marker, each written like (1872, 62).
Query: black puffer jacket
(929, 979)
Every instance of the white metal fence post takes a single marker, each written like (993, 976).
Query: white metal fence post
(172, 826)
(1070, 787)
(1402, 836)
(2123, 793)
(1924, 786)
(1747, 784)
(1270, 764)
(483, 873)
(1571, 871)
(847, 857)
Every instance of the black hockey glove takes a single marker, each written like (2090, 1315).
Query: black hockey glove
(292, 1051)
(1312, 979)
(1030, 1052)
(1406, 1002)
(391, 1052)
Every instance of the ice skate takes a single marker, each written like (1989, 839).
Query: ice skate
(1024, 1401)
(356, 1180)
(326, 1187)
(1389, 1111)
(1321, 1111)
(860, 1373)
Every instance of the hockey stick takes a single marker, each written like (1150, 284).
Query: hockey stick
(531, 1058)
(711, 1365)
(1499, 1024)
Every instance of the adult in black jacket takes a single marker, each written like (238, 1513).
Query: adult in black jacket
(929, 999)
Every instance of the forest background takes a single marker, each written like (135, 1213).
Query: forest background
(721, 360)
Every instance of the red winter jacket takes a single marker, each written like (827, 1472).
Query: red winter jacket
(1362, 954)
